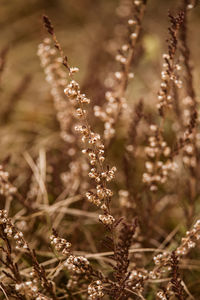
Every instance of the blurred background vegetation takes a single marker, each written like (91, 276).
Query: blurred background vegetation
(85, 29)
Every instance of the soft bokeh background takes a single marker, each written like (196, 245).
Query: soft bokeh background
(84, 28)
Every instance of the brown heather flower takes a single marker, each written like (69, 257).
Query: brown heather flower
(137, 279)
(95, 290)
(157, 170)
(115, 98)
(187, 243)
(190, 103)
(8, 231)
(9, 191)
(66, 114)
(177, 287)
(94, 150)
(57, 80)
(163, 295)
(78, 266)
(6, 188)
(170, 70)
(30, 289)
(61, 245)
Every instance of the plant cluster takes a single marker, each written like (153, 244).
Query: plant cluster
(78, 227)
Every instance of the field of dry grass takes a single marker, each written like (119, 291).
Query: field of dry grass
(99, 149)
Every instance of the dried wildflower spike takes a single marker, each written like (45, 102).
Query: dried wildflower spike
(30, 289)
(169, 74)
(95, 290)
(189, 115)
(99, 172)
(106, 219)
(162, 295)
(60, 244)
(190, 240)
(163, 260)
(9, 231)
(48, 25)
(94, 149)
(157, 170)
(77, 264)
(177, 287)
(125, 239)
(56, 77)
(136, 280)
(115, 98)
(6, 188)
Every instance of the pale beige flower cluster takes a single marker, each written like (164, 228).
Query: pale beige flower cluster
(116, 102)
(157, 170)
(6, 188)
(66, 115)
(94, 149)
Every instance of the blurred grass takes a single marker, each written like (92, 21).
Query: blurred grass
(82, 26)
